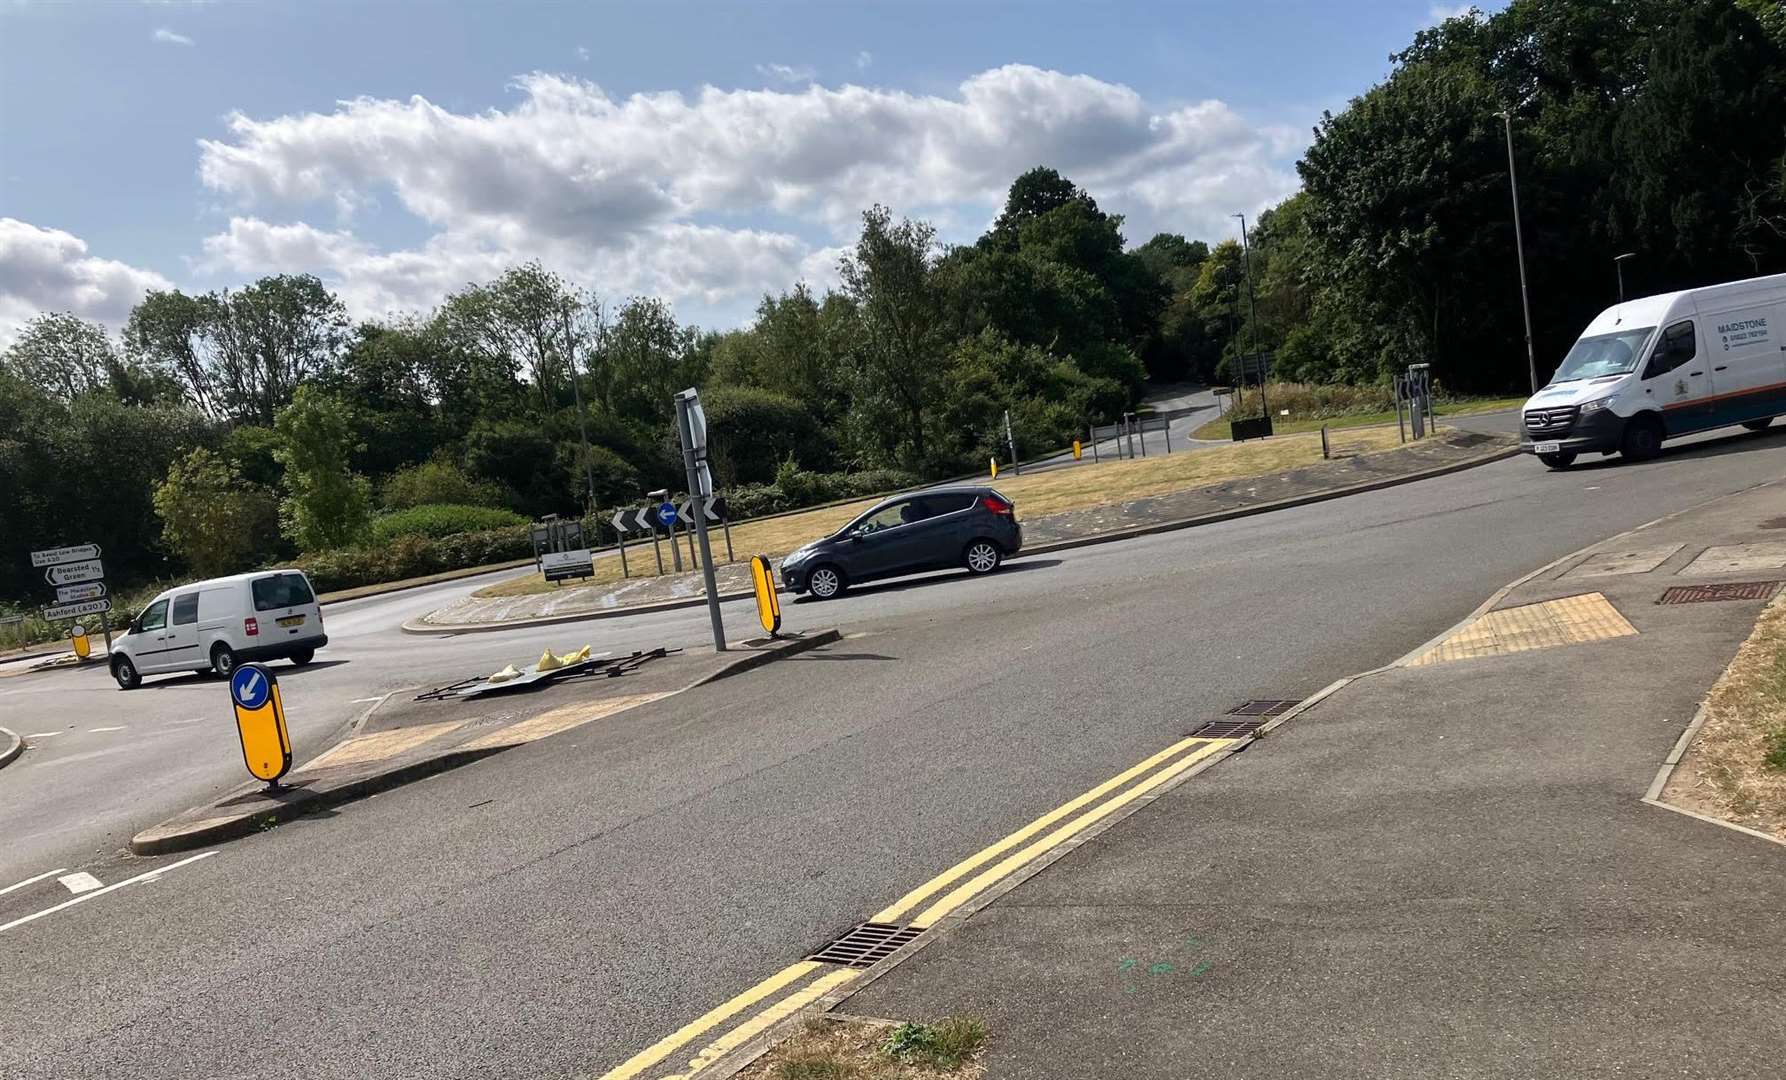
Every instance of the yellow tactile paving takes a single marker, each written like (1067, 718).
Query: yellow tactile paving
(1568, 621)
(382, 745)
(560, 719)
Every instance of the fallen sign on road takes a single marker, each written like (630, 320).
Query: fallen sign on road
(535, 674)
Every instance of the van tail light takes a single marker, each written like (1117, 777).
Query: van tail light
(997, 506)
(251, 627)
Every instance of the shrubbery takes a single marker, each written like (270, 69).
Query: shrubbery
(795, 488)
(413, 556)
(437, 520)
(438, 481)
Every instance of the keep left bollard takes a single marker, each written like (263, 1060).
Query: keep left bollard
(260, 723)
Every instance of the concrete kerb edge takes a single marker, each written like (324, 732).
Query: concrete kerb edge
(237, 827)
(14, 745)
(420, 626)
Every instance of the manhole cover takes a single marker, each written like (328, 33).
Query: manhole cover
(1227, 729)
(866, 945)
(1729, 590)
(1263, 707)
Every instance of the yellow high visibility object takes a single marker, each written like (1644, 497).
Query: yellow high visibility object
(762, 577)
(260, 722)
(548, 662)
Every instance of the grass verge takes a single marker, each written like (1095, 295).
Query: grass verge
(1736, 767)
(855, 1048)
(1285, 425)
(1036, 495)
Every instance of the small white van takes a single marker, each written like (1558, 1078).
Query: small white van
(215, 625)
(1661, 366)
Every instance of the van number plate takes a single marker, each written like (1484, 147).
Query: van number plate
(1537, 448)
(291, 620)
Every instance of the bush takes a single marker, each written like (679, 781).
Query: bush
(413, 556)
(438, 481)
(442, 519)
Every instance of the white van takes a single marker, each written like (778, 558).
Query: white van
(1661, 366)
(215, 625)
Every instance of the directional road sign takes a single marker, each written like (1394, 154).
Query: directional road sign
(666, 514)
(75, 611)
(52, 556)
(250, 687)
(260, 722)
(69, 573)
(646, 518)
(86, 590)
(623, 521)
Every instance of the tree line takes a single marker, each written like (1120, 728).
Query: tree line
(233, 428)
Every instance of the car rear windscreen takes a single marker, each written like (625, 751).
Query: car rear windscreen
(281, 591)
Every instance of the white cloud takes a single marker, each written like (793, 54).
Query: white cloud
(583, 53)
(164, 36)
(785, 73)
(46, 270)
(1438, 13)
(717, 196)
(864, 59)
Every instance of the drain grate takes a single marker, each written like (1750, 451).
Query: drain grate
(1227, 729)
(866, 945)
(1728, 590)
(1263, 707)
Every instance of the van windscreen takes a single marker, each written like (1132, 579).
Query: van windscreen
(1603, 354)
(281, 591)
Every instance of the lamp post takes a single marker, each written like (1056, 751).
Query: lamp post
(1252, 301)
(1520, 246)
(1618, 263)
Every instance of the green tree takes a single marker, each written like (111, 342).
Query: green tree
(211, 517)
(326, 505)
(888, 278)
(517, 324)
(64, 355)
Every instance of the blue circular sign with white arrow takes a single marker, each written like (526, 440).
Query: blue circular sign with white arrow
(250, 686)
(666, 513)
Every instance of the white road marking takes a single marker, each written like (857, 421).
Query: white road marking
(43, 735)
(79, 882)
(363, 700)
(33, 880)
(84, 897)
(97, 730)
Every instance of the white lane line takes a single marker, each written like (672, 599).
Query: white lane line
(97, 730)
(43, 735)
(79, 882)
(84, 897)
(363, 700)
(33, 880)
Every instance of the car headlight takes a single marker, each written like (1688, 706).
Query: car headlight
(1595, 405)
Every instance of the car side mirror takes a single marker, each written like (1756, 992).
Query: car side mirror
(136, 625)
(855, 538)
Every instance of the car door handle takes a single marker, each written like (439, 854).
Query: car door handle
(1721, 368)
(1695, 374)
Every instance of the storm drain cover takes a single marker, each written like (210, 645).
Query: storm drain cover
(1227, 729)
(1728, 590)
(866, 945)
(1263, 707)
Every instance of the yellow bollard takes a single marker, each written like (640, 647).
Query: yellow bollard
(994, 468)
(1078, 451)
(83, 647)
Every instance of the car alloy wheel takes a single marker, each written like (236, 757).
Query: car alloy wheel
(982, 557)
(825, 583)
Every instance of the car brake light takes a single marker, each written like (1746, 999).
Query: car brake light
(251, 627)
(997, 506)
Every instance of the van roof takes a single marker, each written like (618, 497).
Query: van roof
(230, 580)
(1653, 310)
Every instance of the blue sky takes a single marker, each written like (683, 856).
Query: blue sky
(704, 152)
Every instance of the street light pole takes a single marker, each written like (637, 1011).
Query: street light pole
(1252, 301)
(1618, 263)
(1519, 243)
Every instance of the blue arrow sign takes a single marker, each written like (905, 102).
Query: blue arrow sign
(250, 686)
(666, 514)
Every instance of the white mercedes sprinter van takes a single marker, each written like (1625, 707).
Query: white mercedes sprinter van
(215, 625)
(1661, 366)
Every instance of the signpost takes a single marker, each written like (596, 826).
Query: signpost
(69, 573)
(52, 556)
(86, 590)
(647, 519)
(260, 723)
(562, 565)
(762, 576)
(691, 426)
(621, 526)
(75, 611)
(77, 575)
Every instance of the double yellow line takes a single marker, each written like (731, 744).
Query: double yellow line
(794, 988)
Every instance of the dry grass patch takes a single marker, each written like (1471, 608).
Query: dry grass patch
(1736, 766)
(856, 1048)
(1036, 495)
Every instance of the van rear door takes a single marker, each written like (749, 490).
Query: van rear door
(285, 608)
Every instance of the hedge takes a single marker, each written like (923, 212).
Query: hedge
(439, 520)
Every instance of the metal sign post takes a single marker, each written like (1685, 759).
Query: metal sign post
(691, 425)
(79, 580)
(619, 523)
(1011, 444)
(646, 521)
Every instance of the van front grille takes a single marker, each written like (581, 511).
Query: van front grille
(1552, 420)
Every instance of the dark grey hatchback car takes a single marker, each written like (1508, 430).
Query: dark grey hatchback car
(973, 527)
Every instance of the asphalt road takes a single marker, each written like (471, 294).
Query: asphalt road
(551, 910)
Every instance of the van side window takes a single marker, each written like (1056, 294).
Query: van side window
(1675, 347)
(155, 616)
(280, 591)
(186, 609)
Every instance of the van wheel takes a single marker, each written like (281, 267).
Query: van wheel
(223, 659)
(1562, 459)
(1758, 425)
(1643, 439)
(982, 557)
(125, 672)
(302, 657)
